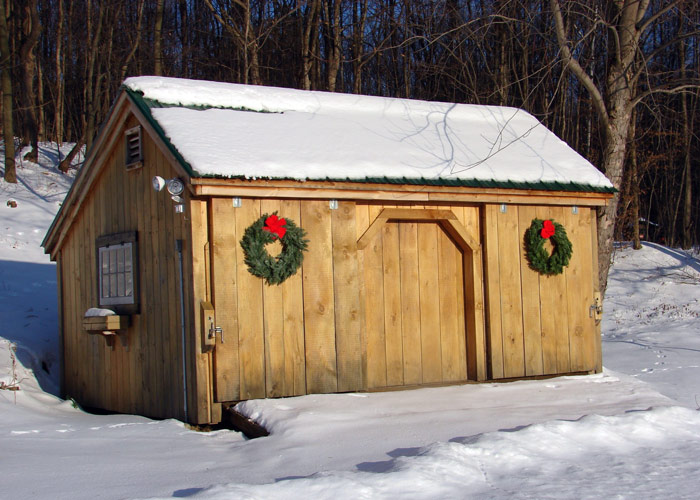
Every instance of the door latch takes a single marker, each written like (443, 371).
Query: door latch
(596, 309)
(213, 330)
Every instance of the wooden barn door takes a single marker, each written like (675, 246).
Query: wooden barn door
(414, 294)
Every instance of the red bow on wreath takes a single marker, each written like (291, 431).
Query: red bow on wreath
(275, 225)
(548, 229)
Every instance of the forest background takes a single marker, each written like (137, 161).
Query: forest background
(618, 80)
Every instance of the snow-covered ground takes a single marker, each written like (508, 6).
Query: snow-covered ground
(631, 432)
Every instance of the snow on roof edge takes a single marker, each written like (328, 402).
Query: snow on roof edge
(200, 94)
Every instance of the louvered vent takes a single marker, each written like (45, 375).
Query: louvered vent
(134, 157)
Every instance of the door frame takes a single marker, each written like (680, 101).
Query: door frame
(473, 274)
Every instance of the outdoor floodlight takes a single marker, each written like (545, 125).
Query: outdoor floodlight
(175, 186)
(158, 183)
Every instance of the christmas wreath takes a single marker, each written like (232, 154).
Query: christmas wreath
(265, 230)
(537, 256)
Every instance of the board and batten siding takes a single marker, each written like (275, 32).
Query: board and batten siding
(537, 324)
(145, 376)
(349, 319)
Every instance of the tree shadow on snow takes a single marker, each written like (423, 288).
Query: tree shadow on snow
(387, 465)
(187, 492)
(28, 308)
(684, 258)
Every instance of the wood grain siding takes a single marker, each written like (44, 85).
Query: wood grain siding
(145, 375)
(251, 340)
(555, 324)
(580, 292)
(410, 304)
(414, 293)
(200, 390)
(319, 305)
(541, 322)
(530, 283)
(347, 298)
(510, 259)
(273, 325)
(224, 282)
(293, 304)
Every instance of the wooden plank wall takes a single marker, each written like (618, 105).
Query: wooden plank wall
(301, 336)
(413, 299)
(538, 325)
(145, 376)
(310, 334)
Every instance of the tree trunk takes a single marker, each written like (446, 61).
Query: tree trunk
(60, 83)
(687, 236)
(308, 33)
(158, 39)
(92, 84)
(65, 164)
(31, 29)
(334, 54)
(614, 111)
(358, 34)
(7, 126)
(137, 42)
(613, 165)
(634, 180)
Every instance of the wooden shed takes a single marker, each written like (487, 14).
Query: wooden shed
(415, 271)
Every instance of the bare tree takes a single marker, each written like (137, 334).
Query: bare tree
(6, 67)
(614, 101)
(331, 15)
(31, 29)
(241, 28)
(60, 81)
(158, 39)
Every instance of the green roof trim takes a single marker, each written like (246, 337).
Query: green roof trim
(145, 105)
(480, 183)
(571, 187)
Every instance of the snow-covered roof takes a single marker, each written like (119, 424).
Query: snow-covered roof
(254, 132)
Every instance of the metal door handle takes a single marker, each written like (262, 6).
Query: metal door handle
(213, 330)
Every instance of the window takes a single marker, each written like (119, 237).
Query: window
(134, 155)
(117, 284)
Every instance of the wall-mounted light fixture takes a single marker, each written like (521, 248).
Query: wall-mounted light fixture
(175, 187)
(333, 204)
(503, 208)
(158, 183)
(236, 202)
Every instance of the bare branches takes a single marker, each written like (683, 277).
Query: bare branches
(575, 67)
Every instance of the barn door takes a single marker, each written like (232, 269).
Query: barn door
(416, 299)
(259, 351)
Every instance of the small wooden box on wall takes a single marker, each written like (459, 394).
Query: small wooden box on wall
(109, 327)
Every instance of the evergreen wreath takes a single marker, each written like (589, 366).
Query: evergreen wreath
(538, 258)
(265, 230)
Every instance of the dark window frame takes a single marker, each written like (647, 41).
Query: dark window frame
(104, 243)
